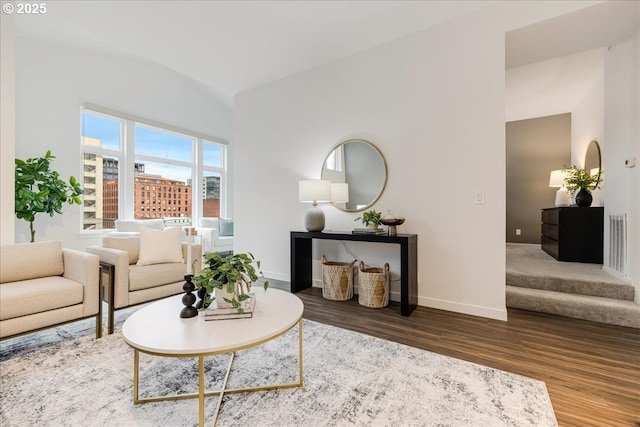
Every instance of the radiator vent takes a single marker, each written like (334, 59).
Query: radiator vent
(618, 243)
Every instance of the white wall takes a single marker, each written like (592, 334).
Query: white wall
(7, 126)
(552, 87)
(587, 124)
(433, 102)
(622, 139)
(52, 83)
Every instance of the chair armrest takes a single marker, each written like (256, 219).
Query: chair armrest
(119, 259)
(196, 256)
(84, 268)
(209, 237)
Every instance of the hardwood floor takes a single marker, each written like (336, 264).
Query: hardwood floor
(592, 370)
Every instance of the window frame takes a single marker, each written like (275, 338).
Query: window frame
(127, 158)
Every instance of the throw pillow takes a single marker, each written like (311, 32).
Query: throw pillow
(225, 227)
(160, 246)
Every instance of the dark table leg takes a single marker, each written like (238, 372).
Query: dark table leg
(109, 270)
(301, 264)
(409, 277)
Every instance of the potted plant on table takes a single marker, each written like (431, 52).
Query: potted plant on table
(227, 279)
(370, 219)
(580, 180)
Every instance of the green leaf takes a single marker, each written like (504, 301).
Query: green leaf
(38, 189)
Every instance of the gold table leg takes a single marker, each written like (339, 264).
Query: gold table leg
(201, 394)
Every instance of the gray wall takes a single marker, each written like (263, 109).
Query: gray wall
(535, 147)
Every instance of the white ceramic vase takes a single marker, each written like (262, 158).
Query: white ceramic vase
(221, 294)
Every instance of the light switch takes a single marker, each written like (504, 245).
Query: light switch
(479, 199)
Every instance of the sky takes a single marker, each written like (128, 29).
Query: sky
(151, 142)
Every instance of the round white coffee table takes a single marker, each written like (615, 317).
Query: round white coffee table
(158, 330)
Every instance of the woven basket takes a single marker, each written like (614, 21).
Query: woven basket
(373, 286)
(337, 280)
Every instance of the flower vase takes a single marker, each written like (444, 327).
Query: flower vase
(584, 198)
(221, 294)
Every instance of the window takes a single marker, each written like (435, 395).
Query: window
(102, 153)
(212, 179)
(130, 167)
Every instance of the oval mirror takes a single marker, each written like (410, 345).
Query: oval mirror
(593, 160)
(360, 165)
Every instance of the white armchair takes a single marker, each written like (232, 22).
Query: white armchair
(217, 234)
(138, 276)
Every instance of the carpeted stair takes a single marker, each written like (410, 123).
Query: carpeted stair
(537, 282)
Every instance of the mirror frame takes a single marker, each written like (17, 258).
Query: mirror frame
(384, 164)
(598, 151)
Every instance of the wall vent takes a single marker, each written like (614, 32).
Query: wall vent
(618, 243)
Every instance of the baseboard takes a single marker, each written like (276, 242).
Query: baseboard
(474, 310)
(277, 276)
(616, 274)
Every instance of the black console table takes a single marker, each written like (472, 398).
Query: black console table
(301, 261)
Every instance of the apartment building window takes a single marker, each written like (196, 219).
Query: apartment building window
(126, 157)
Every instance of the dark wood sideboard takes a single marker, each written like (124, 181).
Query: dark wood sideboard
(301, 261)
(573, 233)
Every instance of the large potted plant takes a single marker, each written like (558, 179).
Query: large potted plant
(580, 183)
(40, 190)
(227, 279)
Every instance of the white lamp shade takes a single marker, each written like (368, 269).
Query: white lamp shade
(340, 192)
(556, 179)
(314, 191)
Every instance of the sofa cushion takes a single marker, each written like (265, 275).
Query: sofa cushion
(226, 227)
(134, 224)
(160, 246)
(130, 244)
(21, 261)
(38, 295)
(151, 276)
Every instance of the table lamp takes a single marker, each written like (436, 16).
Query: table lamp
(556, 179)
(314, 191)
(339, 192)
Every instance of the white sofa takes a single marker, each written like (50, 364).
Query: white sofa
(214, 236)
(44, 285)
(133, 225)
(216, 233)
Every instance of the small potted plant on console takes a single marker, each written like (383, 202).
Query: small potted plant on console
(371, 220)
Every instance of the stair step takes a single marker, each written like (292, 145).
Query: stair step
(581, 286)
(587, 307)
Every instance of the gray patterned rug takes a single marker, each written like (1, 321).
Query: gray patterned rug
(54, 378)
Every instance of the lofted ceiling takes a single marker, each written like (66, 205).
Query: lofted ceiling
(601, 25)
(232, 46)
(553, 64)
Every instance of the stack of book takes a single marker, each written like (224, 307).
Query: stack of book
(215, 313)
(374, 231)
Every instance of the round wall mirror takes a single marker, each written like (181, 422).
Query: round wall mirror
(593, 160)
(360, 165)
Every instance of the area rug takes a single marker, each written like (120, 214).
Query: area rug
(350, 379)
